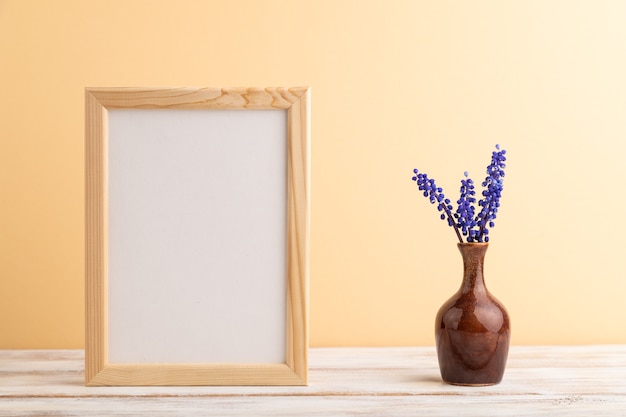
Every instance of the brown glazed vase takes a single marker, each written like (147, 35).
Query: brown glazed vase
(472, 329)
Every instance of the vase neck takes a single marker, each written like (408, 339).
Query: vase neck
(473, 260)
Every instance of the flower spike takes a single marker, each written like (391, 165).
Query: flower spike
(435, 194)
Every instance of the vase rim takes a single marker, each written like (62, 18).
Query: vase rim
(472, 244)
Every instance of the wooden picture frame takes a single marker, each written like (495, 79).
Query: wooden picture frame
(108, 358)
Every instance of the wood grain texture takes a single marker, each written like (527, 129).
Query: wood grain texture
(199, 98)
(98, 370)
(539, 381)
(298, 209)
(96, 251)
(196, 374)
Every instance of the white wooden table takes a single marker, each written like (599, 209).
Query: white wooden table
(540, 380)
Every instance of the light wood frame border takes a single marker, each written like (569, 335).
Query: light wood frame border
(98, 101)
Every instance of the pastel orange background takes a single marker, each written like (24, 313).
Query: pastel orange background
(395, 85)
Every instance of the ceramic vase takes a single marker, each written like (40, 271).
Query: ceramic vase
(472, 329)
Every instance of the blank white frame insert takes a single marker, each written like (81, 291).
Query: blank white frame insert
(189, 238)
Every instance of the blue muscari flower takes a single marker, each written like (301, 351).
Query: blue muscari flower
(465, 208)
(435, 195)
(465, 221)
(491, 195)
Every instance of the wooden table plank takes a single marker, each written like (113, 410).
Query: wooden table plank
(540, 380)
(515, 406)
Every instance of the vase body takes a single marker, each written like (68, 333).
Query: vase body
(472, 329)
